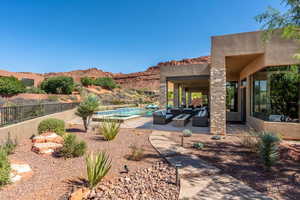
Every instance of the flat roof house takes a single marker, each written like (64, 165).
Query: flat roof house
(247, 80)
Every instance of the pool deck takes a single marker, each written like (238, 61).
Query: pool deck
(146, 123)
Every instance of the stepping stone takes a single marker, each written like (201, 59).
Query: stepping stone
(19, 171)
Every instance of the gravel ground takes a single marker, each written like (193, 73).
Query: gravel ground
(232, 158)
(156, 182)
(53, 177)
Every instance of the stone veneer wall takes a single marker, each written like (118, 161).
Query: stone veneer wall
(163, 94)
(217, 99)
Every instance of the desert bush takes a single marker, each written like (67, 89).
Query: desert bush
(9, 145)
(11, 86)
(58, 85)
(198, 145)
(72, 147)
(4, 168)
(53, 98)
(106, 82)
(109, 129)
(35, 90)
(250, 140)
(52, 125)
(268, 149)
(86, 81)
(186, 133)
(97, 167)
(137, 153)
(87, 108)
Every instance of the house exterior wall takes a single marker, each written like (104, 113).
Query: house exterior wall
(176, 71)
(276, 52)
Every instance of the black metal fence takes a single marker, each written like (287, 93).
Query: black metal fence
(15, 114)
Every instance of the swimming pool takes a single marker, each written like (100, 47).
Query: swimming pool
(121, 114)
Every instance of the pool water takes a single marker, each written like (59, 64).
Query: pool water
(124, 112)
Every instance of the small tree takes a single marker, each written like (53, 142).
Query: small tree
(10, 86)
(58, 85)
(86, 81)
(287, 23)
(87, 108)
(106, 82)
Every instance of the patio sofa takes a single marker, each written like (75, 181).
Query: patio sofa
(201, 118)
(162, 117)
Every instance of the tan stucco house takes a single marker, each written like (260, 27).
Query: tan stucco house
(247, 80)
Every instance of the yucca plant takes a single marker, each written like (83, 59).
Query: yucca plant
(97, 165)
(4, 168)
(109, 129)
(268, 149)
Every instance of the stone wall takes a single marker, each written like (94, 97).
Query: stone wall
(26, 129)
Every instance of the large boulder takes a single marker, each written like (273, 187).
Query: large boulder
(48, 137)
(47, 143)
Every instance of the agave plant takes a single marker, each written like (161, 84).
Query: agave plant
(268, 149)
(109, 129)
(97, 165)
(187, 133)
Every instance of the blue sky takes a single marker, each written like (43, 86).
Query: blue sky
(116, 35)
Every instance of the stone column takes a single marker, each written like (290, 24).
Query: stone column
(176, 95)
(183, 96)
(163, 93)
(189, 97)
(218, 96)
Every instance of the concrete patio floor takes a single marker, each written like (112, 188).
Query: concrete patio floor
(147, 124)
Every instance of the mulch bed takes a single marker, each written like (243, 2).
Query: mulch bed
(54, 177)
(283, 182)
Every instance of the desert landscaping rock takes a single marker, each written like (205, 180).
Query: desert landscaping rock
(156, 182)
(47, 143)
(18, 171)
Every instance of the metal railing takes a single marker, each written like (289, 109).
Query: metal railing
(15, 114)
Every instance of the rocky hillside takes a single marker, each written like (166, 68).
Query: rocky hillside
(146, 80)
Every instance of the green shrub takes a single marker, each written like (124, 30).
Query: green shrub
(9, 145)
(86, 81)
(109, 129)
(72, 147)
(250, 140)
(106, 82)
(53, 98)
(137, 153)
(11, 86)
(87, 108)
(58, 85)
(52, 125)
(268, 149)
(4, 168)
(186, 133)
(97, 167)
(35, 90)
(198, 145)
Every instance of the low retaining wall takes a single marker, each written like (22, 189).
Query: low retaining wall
(289, 131)
(26, 129)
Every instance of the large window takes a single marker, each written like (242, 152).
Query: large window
(232, 96)
(275, 94)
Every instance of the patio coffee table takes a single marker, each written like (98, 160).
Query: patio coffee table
(181, 120)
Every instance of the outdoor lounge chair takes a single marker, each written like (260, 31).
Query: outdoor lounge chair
(176, 111)
(162, 117)
(201, 118)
